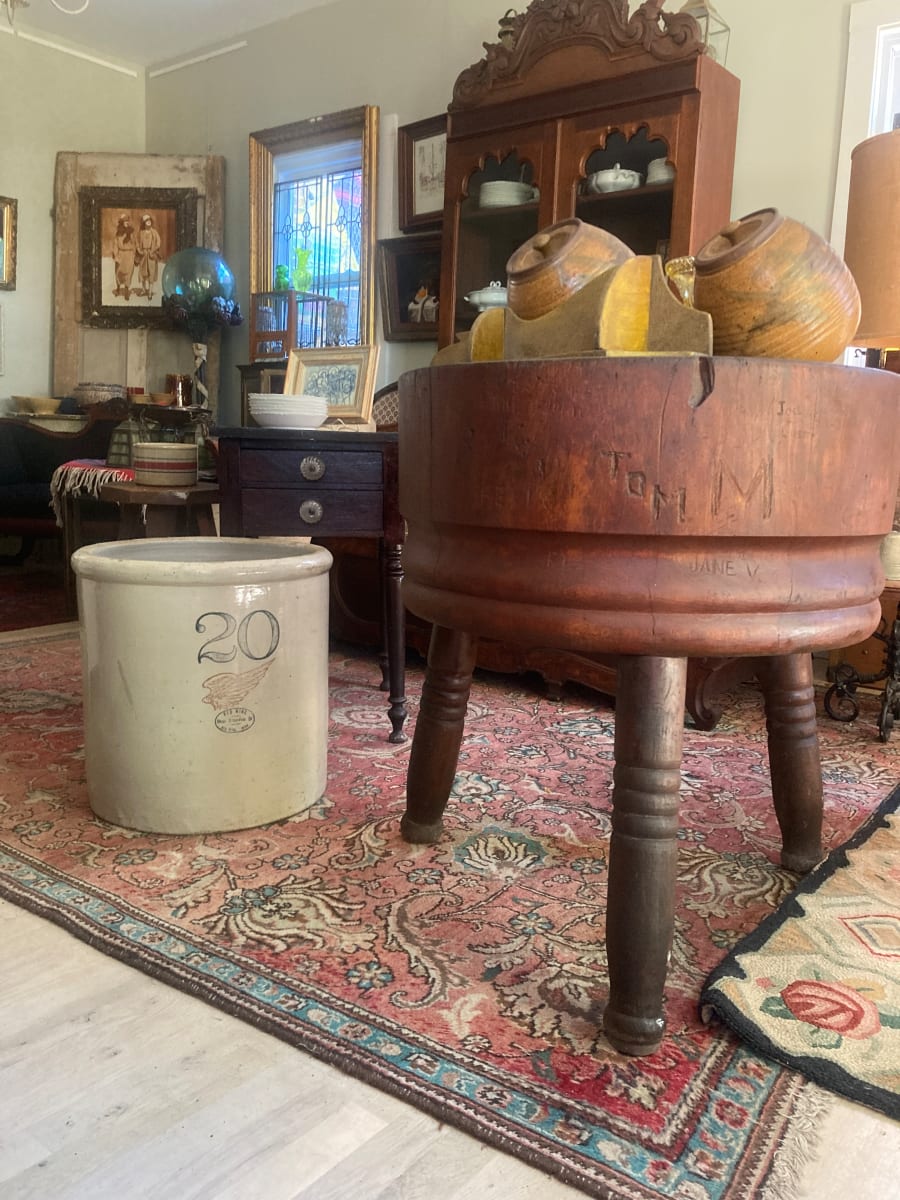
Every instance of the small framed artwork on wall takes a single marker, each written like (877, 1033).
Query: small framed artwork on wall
(127, 234)
(8, 209)
(409, 282)
(421, 158)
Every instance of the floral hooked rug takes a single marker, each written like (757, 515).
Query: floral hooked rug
(817, 985)
(468, 978)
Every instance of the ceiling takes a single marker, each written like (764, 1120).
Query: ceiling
(144, 32)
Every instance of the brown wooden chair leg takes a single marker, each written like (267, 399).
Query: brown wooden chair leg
(438, 733)
(794, 762)
(642, 862)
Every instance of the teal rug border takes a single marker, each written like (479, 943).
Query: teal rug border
(827, 1075)
(397, 1064)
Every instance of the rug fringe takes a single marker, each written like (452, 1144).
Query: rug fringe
(77, 479)
(801, 1143)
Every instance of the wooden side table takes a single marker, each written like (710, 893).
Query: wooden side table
(323, 484)
(148, 510)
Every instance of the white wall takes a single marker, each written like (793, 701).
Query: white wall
(52, 102)
(790, 56)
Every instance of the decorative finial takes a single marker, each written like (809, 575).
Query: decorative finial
(506, 29)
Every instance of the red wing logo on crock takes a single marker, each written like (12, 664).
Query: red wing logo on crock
(229, 688)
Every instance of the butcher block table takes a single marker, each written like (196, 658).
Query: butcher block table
(652, 508)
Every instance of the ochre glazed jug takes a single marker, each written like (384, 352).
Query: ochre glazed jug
(776, 289)
(556, 263)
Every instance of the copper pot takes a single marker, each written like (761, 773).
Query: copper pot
(182, 388)
(557, 262)
(774, 288)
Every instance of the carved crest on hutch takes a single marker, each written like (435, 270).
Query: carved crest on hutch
(612, 42)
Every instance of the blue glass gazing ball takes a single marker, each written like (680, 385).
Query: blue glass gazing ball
(197, 274)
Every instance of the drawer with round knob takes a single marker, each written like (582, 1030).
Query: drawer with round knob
(333, 468)
(318, 512)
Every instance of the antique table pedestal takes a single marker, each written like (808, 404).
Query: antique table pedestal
(654, 508)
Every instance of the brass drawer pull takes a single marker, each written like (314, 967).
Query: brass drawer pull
(312, 467)
(311, 511)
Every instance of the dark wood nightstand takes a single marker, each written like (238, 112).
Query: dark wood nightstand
(321, 484)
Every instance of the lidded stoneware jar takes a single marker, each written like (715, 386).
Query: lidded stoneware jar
(557, 262)
(776, 289)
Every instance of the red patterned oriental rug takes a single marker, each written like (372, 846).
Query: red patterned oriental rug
(817, 985)
(468, 978)
(31, 596)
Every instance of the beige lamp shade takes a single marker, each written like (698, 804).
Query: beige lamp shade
(872, 242)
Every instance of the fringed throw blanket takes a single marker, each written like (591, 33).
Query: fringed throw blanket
(83, 477)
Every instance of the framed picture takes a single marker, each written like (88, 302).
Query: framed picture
(271, 379)
(409, 281)
(421, 156)
(345, 375)
(8, 208)
(127, 234)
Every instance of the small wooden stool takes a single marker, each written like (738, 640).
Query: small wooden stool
(170, 511)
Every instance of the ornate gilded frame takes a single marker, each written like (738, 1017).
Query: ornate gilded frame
(8, 214)
(173, 209)
(265, 145)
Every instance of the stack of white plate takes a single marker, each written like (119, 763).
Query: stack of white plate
(288, 412)
(501, 193)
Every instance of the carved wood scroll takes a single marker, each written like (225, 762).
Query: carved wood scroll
(619, 44)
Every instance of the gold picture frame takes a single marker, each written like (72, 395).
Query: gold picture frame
(345, 375)
(8, 210)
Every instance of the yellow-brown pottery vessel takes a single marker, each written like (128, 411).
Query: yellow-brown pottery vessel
(774, 288)
(556, 263)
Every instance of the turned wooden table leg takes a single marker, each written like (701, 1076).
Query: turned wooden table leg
(438, 734)
(394, 628)
(163, 521)
(643, 851)
(794, 762)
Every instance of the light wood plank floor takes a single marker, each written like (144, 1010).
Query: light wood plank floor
(116, 1087)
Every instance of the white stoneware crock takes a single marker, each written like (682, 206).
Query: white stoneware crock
(205, 680)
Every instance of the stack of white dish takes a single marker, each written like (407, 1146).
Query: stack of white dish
(288, 412)
(501, 193)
